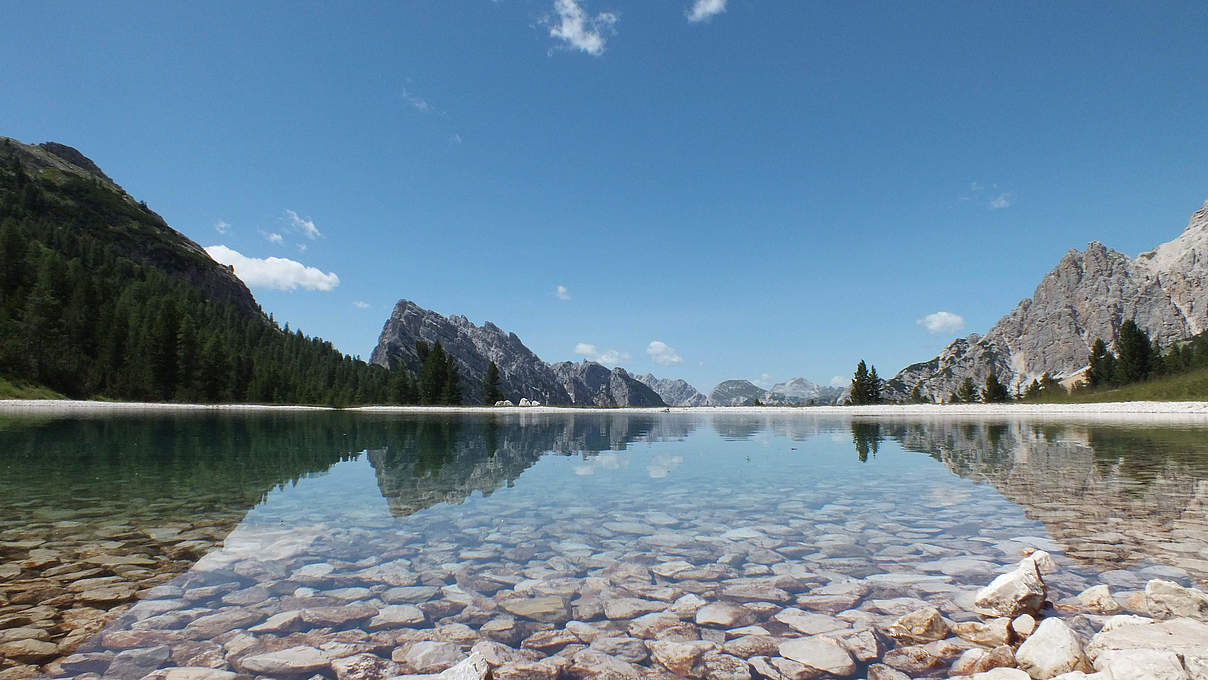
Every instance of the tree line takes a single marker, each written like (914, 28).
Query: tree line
(1137, 358)
(81, 317)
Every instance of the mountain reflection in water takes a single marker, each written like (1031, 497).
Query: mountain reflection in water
(135, 500)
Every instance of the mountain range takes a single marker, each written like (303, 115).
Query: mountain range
(522, 374)
(1087, 296)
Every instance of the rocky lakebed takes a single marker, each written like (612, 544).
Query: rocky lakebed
(622, 559)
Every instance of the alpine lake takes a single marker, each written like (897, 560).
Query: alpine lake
(354, 545)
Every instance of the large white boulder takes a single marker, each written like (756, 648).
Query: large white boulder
(1051, 650)
(1168, 600)
(1021, 591)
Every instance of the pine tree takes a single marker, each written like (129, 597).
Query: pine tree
(450, 393)
(1102, 369)
(995, 392)
(865, 385)
(916, 395)
(966, 392)
(1033, 390)
(490, 386)
(1135, 360)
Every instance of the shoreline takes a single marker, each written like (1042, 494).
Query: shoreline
(1131, 410)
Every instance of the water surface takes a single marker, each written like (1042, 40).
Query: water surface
(124, 532)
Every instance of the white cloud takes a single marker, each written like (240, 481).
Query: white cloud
(274, 238)
(839, 381)
(942, 322)
(456, 138)
(1000, 201)
(416, 102)
(703, 10)
(663, 354)
(579, 30)
(222, 227)
(306, 227)
(276, 273)
(609, 357)
(562, 293)
(361, 304)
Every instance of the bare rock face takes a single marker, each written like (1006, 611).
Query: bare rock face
(595, 385)
(673, 391)
(1087, 296)
(522, 374)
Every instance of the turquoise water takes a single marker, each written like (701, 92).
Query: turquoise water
(175, 514)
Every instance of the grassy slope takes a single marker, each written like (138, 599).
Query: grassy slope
(1189, 386)
(24, 390)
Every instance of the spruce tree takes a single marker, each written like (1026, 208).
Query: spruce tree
(1101, 370)
(967, 391)
(995, 392)
(859, 385)
(490, 386)
(1135, 360)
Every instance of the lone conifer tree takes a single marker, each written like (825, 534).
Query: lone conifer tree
(490, 386)
(865, 385)
(967, 392)
(1102, 369)
(1135, 362)
(995, 392)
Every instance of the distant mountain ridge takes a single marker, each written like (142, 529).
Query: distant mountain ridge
(797, 391)
(1088, 295)
(674, 392)
(522, 374)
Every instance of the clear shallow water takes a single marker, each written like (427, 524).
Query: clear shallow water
(461, 517)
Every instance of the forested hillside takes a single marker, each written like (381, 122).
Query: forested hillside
(99, 297)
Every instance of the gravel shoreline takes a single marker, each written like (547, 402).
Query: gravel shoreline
(1130, 410)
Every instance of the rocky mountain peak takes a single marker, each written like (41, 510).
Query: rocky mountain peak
(522, 374)
(673, 391)
(1088, 295)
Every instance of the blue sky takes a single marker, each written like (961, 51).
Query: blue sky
(768, 189)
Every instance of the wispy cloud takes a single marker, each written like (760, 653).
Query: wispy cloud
(222, 227)
(992, 197)
(703, 10)
(942, 322)
(562, 293)
(274, 238)
(609, 357)
(839, 381)
(275, 273)
(764, 380)
(301, 225)
(579, 30)
(416, 102)
(361, 304)
(663, 354)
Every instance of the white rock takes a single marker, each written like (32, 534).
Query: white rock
(473, 667)
(1001, 674)
(292, 661)
(821, 653)
(1052, 649)
(1141, 664)
(809, 623)
(1023, 625)
(1042, 561)
(1181, 636)
(1168, 600)
(1016, 592)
